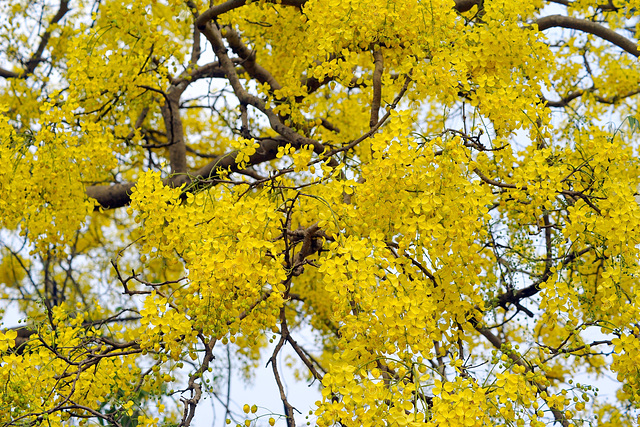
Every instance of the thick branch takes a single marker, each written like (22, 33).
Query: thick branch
(111, 196)
(210, 70)
(173, 122)
(175, 131)
(119, 195)
(8, 74)
(219, 9)
(554, 21)
(466, 5)
(378, 63)
(249, 64)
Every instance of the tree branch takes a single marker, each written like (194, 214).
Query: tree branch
(36, 57)
(378, 63)
(249, 64)
(8, 74)
(194, 387)
(219, 9)
(466, 5)
(212, 33)
(119, 195)
(517, 359)
(578, 93)
(555, 21)
(175, 132)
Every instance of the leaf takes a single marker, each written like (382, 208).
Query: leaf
(633, 123)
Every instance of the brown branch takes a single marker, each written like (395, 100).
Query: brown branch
(67, 409)
(175, 131)
(251, 174)
(514, 297)
(249, 63)
(312, 83)
(393, 249)
(548, 243)
(378, 64)
(559, 350)
(310, 245)
(8, 74)
(247, 58)
(497, 183)
(375, 128)
(578, 93)
(171, 108)
(195, 388)
(196, 48)
(555, 21)
(329, 126)
(571, 193)
(210, 70)
(567, 99)
(518, 360)
(25, 333)
(203, 155)
(36, 57)
(111, 196)
(301, 353)
(284, 331)
(173, 124)
(212, 33)
(608, 7)
(119, 195)
(138, 124)
(466, 5)
(217, 10)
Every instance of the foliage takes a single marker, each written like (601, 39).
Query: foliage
(443, 192)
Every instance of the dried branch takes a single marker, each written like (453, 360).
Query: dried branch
(194, 387)
(284, 331)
